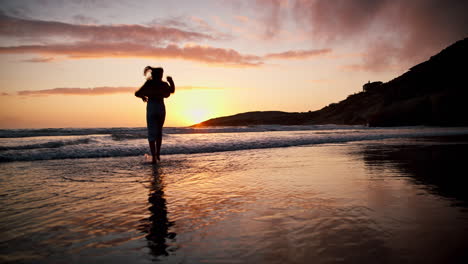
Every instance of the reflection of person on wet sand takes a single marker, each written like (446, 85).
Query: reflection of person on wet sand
(153, 92)
(158, 225)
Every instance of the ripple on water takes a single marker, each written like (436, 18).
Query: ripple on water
(325, 204)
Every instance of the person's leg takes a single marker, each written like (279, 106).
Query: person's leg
(158, 146)
(153, 150)
(152, 127)
(159, 141)
(160, 124)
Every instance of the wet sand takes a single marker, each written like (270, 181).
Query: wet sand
(391, 201)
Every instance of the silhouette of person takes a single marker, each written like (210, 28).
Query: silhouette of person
(153, 92)
(158, 224)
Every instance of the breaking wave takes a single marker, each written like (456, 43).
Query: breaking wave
(135, 144)
(50, 144)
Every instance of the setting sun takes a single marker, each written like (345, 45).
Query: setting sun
(192, 106)
(197, 115)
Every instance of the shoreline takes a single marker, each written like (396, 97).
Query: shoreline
(129, 143)
(351, 201)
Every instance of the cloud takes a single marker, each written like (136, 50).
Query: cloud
(94, 91)
(391, 32)
(298, 54)
(355, 67)
(271, 12)
(127, 41)
(365, 67)
(205, 54)
(78, 91)
(273, 16)
(16, 10)
(82, 19)
(38, 29)
(39, 60)
(191, 24)
(111, 41)
(4, 94)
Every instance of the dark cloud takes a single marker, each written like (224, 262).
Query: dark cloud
(338, 19)
(390, 31)
(19, 11)
(82, 19)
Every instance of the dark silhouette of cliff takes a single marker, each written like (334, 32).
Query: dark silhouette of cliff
(431, 93)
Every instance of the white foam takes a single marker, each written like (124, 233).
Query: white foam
(107, 146)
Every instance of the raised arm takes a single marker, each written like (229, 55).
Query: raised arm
(171, 84)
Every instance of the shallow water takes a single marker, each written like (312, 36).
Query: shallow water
(392, 201)
(30, 145)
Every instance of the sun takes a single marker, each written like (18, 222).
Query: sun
(192, 106)
(197, 115)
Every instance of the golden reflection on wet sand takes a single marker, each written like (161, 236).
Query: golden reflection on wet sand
(355, 202)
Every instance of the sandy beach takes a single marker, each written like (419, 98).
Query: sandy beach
(394, 200)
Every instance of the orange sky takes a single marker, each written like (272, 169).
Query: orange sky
(77, 63)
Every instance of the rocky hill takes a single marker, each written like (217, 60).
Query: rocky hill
(431, 93)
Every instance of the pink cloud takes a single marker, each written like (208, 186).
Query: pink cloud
(205, 54)
(298, 54)
(91, 91)
(272, 17)
(39, 29)
(78, 91)
(125, 41)
(354, 67)
(110, 41)
(389, 31)
(39, 60)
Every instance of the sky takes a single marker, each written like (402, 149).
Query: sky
(77, 63)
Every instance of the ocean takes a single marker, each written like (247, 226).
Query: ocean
(256, 194)
(71, 143)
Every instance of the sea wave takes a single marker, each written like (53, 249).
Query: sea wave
(120, 133)
(107, 146)
(23, 133)
(49, 144)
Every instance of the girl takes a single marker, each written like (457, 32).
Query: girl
(153, 92)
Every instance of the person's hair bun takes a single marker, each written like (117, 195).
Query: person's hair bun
(147, 68)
